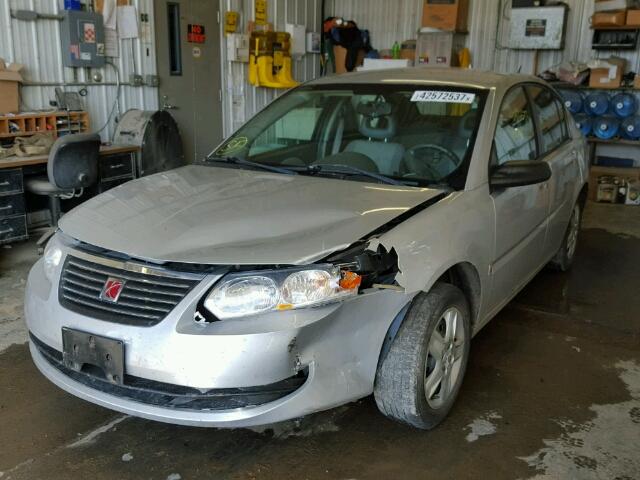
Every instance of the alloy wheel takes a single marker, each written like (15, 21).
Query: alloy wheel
(445, 354)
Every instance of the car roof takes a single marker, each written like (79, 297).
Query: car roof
(459, 77)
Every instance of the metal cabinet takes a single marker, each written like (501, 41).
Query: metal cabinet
(13, 218)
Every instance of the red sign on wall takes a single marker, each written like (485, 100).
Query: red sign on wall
(195, 33)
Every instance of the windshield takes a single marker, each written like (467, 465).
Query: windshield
(411, 134)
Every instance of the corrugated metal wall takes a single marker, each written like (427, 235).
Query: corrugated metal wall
(242, 100)
(400, 20)
(37, 45)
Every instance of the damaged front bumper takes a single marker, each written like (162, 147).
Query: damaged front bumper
(233, 373)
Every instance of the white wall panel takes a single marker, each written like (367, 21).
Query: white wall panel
(236, 88)
(400, 20)
(37, 45)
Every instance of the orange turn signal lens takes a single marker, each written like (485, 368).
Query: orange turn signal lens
(350, 280)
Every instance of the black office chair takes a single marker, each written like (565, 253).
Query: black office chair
(71, 167)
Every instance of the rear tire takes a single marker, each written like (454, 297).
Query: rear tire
(564, 258)
(418, 381)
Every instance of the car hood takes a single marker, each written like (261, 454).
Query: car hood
(215, 215)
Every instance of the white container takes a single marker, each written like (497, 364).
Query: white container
(384, 64)
(609, 5)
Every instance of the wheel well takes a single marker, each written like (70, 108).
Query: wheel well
(465, 276)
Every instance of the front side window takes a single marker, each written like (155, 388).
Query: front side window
(515, 137)
(550, 114)
(414, 134)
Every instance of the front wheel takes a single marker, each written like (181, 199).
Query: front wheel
(564, 258)
(418, 381)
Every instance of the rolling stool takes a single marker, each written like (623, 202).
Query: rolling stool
(72, 166)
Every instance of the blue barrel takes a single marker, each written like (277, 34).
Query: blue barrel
(624, 105)
(631, 128)
(596, 104)
(606, 127)
(584, 123)
(573, 100)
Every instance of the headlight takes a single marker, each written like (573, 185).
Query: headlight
(52, 257)
(244, 294)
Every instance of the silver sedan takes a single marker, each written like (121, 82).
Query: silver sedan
(350, 239)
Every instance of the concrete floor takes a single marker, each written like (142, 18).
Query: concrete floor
(552, 392)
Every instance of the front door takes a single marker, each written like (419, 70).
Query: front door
(188, 43)
(521, 212)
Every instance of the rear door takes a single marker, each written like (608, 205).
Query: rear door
(520, 212)
(560, 152)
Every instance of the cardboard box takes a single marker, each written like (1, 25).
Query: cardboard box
(408, 50)
(448, 15)
(609, 74)
(636, 81)
(633, 18)
(609, 19)
(438, 49)
(608, 5)
(9, 94)
(629, 175)
(340, 56)
(633, 193)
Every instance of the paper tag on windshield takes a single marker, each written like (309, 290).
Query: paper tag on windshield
(442, 97)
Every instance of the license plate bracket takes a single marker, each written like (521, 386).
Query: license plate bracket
(81, 348)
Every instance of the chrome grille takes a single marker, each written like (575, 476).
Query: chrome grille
(147, 296)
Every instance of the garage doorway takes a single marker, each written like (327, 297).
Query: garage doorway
(188, 45)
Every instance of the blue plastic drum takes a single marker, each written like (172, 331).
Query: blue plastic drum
(584, 123)
(573, 100)
(597, 104)
(631, 128)
(624, 105)
(606, 127)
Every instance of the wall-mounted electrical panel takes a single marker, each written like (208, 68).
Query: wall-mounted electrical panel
(539, 28)
(82, 39)
(313, 42)
(238, 47)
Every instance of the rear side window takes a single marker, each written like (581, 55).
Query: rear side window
(551, 118)
(515, 137)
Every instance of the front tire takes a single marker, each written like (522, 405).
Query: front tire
(564, 258)
(418, 381)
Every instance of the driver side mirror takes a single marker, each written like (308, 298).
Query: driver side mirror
(519, 173)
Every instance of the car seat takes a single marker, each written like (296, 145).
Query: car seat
(379, 125)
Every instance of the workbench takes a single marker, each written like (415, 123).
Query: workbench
(117, 164)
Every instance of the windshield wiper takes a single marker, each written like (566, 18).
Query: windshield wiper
(349, 170)
(247, 163)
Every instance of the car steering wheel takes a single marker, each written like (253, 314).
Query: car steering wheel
(417, 160)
